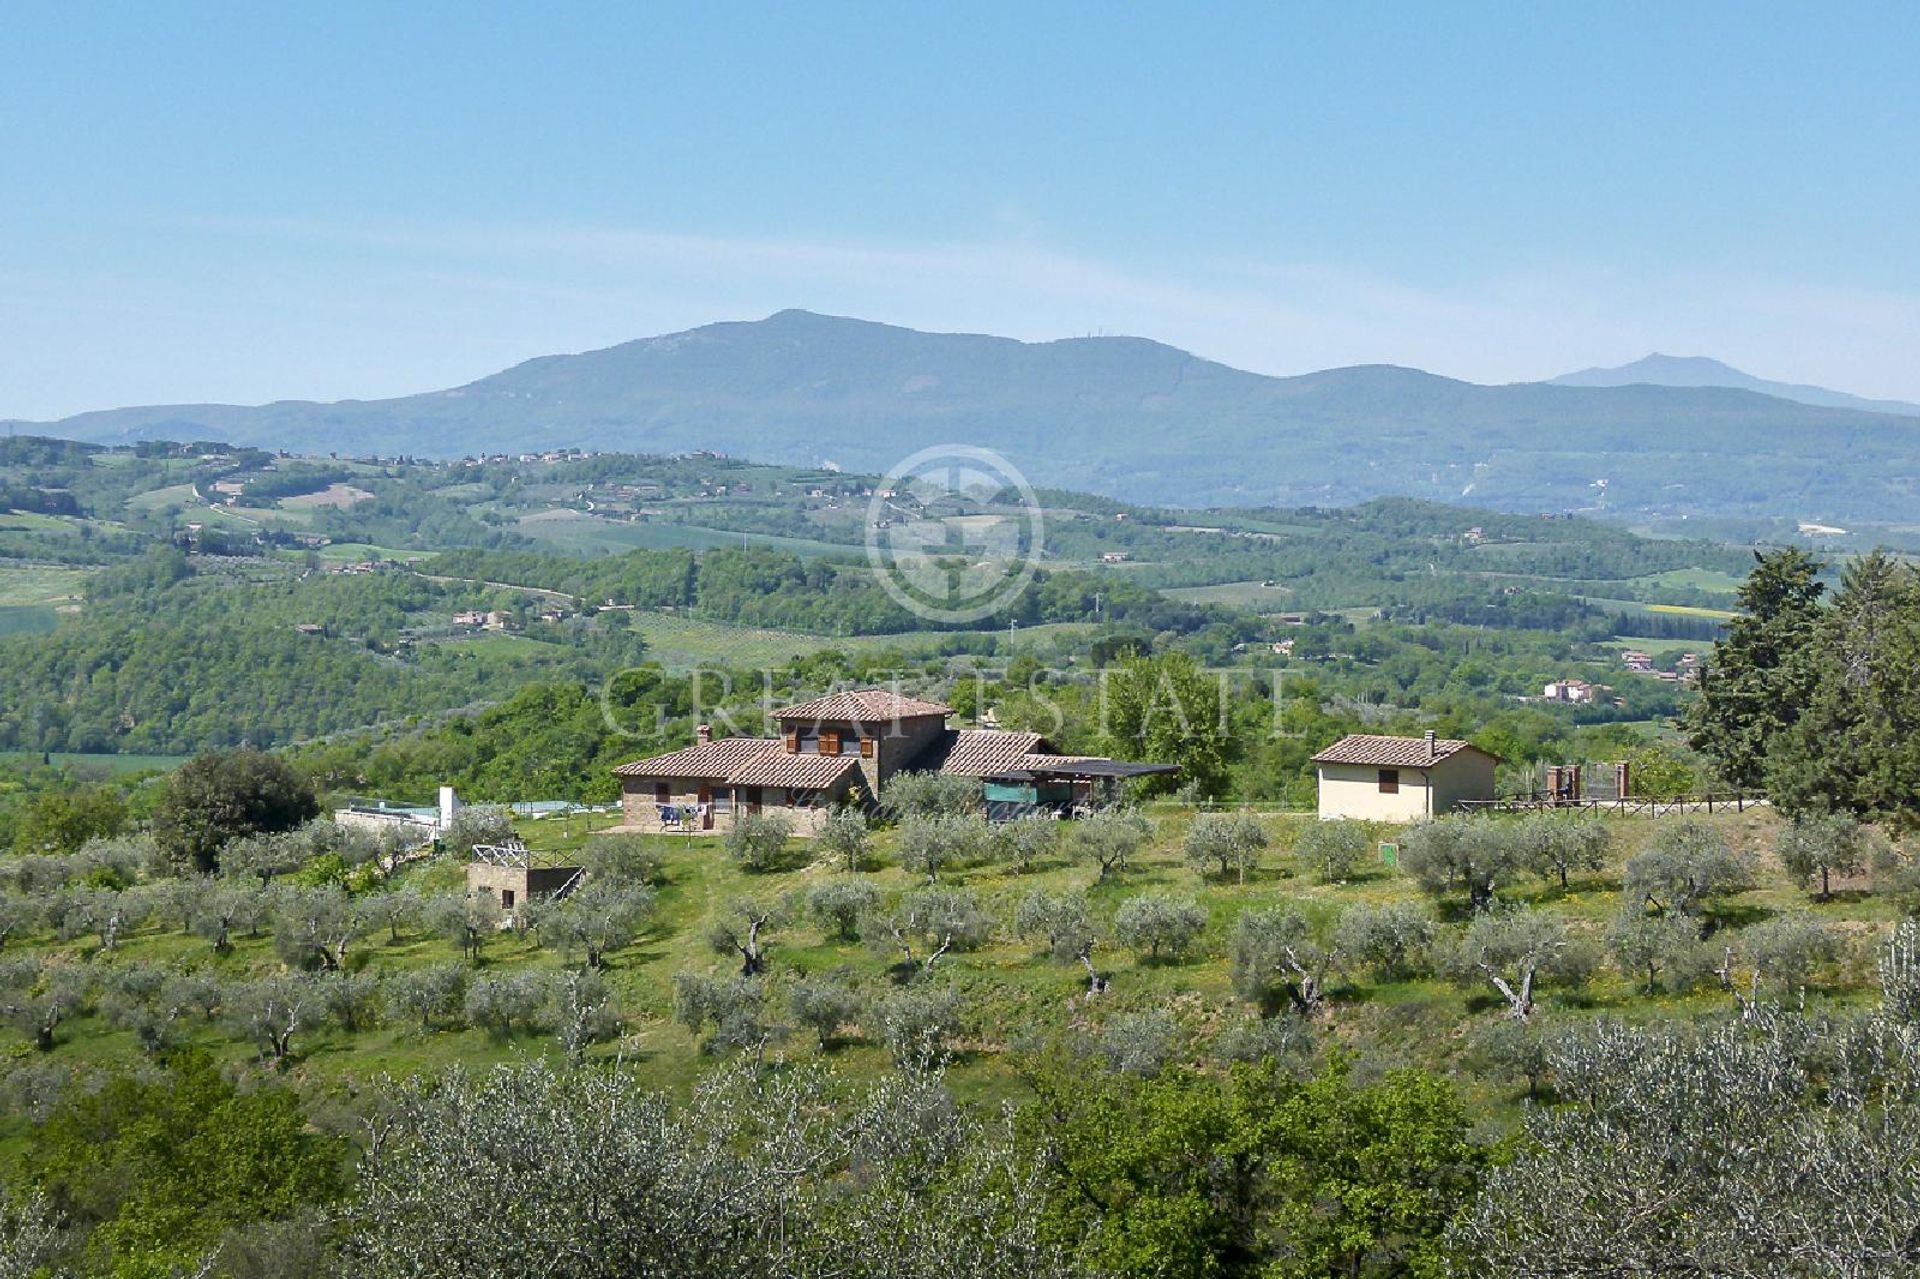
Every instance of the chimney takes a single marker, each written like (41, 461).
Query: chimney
(703, 734)
(449, 805)
(1431, 749)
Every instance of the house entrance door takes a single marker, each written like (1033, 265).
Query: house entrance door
(706, 807)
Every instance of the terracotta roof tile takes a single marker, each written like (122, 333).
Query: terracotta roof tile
(862, 706)
(716, 760)
(1393, 752)
(807, 772)
(975, 752)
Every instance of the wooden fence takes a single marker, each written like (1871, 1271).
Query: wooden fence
(1629, 806)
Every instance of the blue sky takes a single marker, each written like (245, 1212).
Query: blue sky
(248, 202)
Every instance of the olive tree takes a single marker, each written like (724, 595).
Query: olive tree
(1658, 951)
(825, 1005)
(313, 927)
(37, 996)
(587, 1174)
(476, 824)
(600, 916)
(1461, 853)
(1516, 949)
(838, 903)
(1818, 846)
(1109, 839)
(1155, 923)
(623, 858)
(465, 919)
(930, 794)
(505, 1002)
(1774, 956)
(1225, 844)
(915, 1022)
(1688, 864)
(758, 841)
(1554, 845)
(581, 1012)
(1060, 921)
(1704, 1151)
(843, 839)
(1025, 841)
(1280, 959)
(271, 1010)
(1334, 850)
(352, 999)
(433, 995)
(928, 843)
(734, 1006)
(1390, 939)
(922, 926)
(742, 929)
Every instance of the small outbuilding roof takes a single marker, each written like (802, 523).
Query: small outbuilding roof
(1041, 767)
(1396, 752)
(975, 752)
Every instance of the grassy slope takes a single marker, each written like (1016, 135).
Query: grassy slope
(1010, 990)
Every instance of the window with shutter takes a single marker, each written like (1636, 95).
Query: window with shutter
(1389, 781)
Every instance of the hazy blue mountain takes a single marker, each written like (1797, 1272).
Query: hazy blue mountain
(1121, 416)
(1698, 370)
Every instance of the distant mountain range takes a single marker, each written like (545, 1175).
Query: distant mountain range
(1126, 417)
(1698, 370)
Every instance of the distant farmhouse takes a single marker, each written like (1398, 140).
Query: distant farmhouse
(841, 749)
(1401, 779)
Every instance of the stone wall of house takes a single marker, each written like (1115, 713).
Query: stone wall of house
(905, 741)
(524, 882)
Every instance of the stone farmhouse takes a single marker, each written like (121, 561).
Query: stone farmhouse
(841, 749)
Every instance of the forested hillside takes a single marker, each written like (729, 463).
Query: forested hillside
(1125, 417)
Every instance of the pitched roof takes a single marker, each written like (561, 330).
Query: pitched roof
(1394, 752)
(715, 760)
(805, 772)
(975, 752)
(744, 761)
(862, 706)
